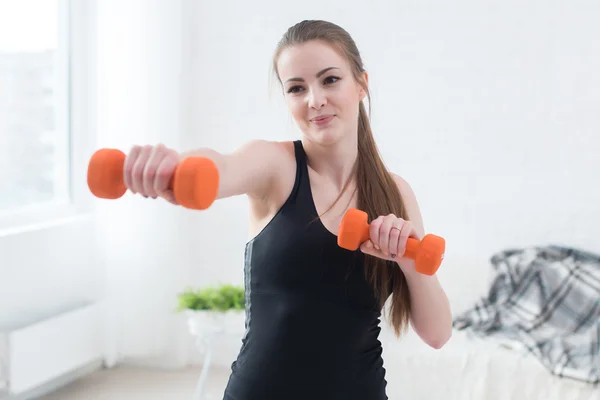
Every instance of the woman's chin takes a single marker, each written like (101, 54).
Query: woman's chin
(325, 137)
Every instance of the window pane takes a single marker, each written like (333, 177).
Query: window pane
(34, 113)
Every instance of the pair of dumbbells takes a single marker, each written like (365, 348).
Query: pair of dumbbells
(195, 185)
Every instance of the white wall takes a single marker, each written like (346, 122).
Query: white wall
(488, 109)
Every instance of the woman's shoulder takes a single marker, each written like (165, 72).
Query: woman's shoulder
(286, 159)
(280, 157)
(274, 156)
(410, 200)
(271, 148)
(282, 161)
(403, 185)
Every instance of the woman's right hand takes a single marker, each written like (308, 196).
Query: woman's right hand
(149, 169)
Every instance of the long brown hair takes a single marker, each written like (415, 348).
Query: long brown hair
(378, 193)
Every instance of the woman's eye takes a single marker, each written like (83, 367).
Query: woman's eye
(294, 89)
(331, 79)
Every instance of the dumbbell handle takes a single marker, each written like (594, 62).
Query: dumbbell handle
(412, 244)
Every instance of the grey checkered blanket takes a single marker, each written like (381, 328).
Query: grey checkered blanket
(545, 300)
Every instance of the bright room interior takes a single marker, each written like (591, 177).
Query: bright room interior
(488, 109)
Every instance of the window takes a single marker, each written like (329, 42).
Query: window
(34, 105)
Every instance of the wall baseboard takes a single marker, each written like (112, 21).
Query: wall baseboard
(56, 383)
(45, 353)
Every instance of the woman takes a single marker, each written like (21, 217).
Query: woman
(313, 308)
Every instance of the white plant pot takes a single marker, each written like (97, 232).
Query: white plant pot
(206, 322)
(206, 326)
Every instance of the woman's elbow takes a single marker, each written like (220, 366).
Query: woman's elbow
(439, 341)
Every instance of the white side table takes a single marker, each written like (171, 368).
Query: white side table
(205, 326)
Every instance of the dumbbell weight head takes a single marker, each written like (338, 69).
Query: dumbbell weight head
(353, 230)
(427, 253)
(105, 174)
(196, 183)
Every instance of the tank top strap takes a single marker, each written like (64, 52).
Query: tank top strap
(302, 191)
(300, 154)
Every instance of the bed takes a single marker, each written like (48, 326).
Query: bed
(472, 369)
(478, 367)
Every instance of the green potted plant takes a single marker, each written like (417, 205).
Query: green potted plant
(213, 308)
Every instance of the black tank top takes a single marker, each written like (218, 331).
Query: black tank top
(312, 321)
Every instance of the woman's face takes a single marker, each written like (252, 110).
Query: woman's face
(320, 91)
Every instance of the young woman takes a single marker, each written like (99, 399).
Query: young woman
(313, 308)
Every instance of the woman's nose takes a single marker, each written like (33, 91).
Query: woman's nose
(317, 99)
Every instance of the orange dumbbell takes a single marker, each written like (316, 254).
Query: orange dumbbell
(195, 183)
(427, 253)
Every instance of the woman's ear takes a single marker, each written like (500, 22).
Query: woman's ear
(363, 92)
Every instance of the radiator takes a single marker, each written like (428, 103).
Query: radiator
(34, 355)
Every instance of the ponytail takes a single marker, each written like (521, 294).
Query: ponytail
(378, 194)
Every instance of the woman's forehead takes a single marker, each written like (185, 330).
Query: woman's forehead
(306, 60)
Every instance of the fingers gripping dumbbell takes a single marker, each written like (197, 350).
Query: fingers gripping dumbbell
(427, 253)
(195, 183)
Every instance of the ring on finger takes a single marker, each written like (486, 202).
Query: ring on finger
(399, 231)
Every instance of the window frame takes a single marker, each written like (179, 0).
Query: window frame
(77, 44)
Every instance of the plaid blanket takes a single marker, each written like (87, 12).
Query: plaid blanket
(544, 300)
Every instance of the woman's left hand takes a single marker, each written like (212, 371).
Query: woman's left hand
(388, 236)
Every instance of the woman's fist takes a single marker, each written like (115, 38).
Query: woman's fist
(388, 236)
(148, 171)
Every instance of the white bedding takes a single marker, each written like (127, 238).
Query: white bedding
(471, 369)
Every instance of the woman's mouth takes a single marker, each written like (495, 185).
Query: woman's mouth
(322, 119)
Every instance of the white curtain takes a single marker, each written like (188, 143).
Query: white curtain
(145, 243)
